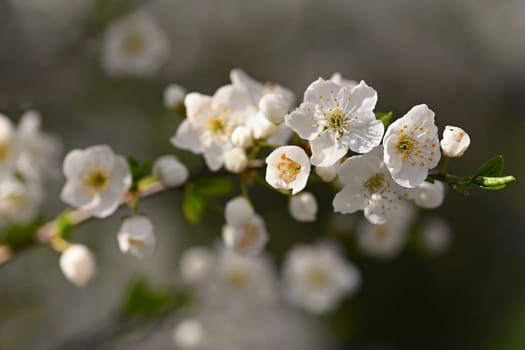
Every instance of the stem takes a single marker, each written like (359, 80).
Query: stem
(444, 166)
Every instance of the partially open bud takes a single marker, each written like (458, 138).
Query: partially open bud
(274, 107)
(136, 236)
(77, 264)
(173, 96)
(455, 141)
(303, 207)
(235, 160)
(170, 171)
(242, 137)
(262, 127)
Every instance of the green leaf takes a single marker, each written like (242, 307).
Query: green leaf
(491, 168)
(192, 204)
(493, 183)
(386, 118)
(19, 236)
(63, 224)
(213, 186)
(144, 302)
(138, 171)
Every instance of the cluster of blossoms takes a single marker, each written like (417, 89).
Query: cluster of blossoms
(28, 158)
(238, 292)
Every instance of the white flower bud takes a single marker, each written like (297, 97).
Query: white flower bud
(303, 207)
(136, 236)
(262, 127)
(170, 171)
(242, 137)
(77, 264)
(235, 160)
(188, 334)
(274, 107)
(455, 141)
(173, 95)
(327, 173)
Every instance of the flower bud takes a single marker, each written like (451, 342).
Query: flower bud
(455, 141)
(274, 107)
(262, 127)
(188, 334)
(235, 160)
(327, 173)
(242, 137)
(77, 264)
(136, 236)
(303, 207)
(173, 96)
(170, 171)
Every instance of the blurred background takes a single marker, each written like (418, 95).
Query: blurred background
(464, 58)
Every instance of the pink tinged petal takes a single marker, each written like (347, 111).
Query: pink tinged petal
(302, 121)
(187, 138)
(214, 156)
(350, 199)
(326, 151)
(322, 92)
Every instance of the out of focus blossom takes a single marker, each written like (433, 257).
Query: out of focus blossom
(136, 236)
(437, 235)
(242, 137)
(340, 80)
(170, 170)
(173, 96)
(235, 160)
(303, 207)
(327, 173)
(77, 264)
(20, 200)
(428, 195)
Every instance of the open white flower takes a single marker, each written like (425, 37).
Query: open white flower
(368, 186)
(436, 235)
(387, 240)
(288, 168)
(317, 277)
(134, 46)
(412, 146)
(303, 207)
(455, 141)
(210, 123)
(19, 200)
(245, 231)
(170, 170)
(173, 96)
(428, 195)
(136, 236)
(335, 118)
(96, 180)
(77, 264)
(7, 144)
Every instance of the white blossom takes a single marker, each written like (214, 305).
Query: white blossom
(134, 46)
(235, 160)
(412, 146)
(210, 123)
(242, 137)
(261, 127)
(173, 96)
(338, 79)
(274, 107)
(137, 236)
(328, 173)
(245, 231)
(455, 141)
(303, 207)
(196, 264)
(317, 277)
(7, 144)
(335, 118)
(188, 334)
(436, 235)
(281, 136)
(288, 167)
(387, 240)
(19, 200)
(77, 264)
(170, 170)
(96, 180)
(428, 195)
(368, 186)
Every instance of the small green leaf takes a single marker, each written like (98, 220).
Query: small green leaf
(491, 168)
(493, 183)
(192, 204)
(213, 186)
(63, 224)
(142, 301)
(138, 171)
(386, 118)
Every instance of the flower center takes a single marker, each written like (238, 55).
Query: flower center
(316, 277)
(251, 233)
(96, 181)
(288, 169)
(336, 121)
(375, 183)
(237, 276)
(405, 146)
(217, 125)
(134, 44)
(381, 233)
